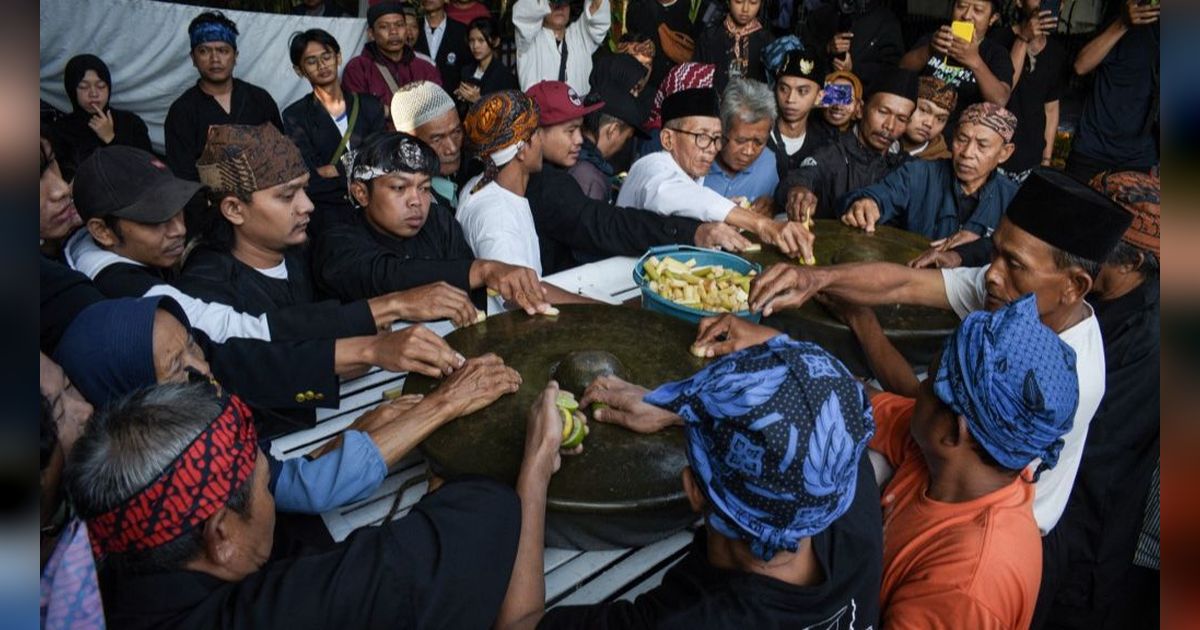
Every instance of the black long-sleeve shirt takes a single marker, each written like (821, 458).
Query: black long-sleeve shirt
(568, 221)
(188, 119)
(436, 567)
(355, 260)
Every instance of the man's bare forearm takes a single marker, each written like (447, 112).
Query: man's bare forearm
(876, 284)
(525, 601)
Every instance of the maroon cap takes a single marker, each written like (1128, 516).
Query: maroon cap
(559, 103)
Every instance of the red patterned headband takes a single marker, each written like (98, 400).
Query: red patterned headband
(188, 492)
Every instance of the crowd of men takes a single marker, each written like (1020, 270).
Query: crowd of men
(200, 301)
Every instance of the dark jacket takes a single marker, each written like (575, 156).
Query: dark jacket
(568, 221)
(922, 196)
(452, 54)
(308, 124)
(877, 45)
(817, 134)
(593, 173)
(1090, 552)
(496, 77)
(836, 169)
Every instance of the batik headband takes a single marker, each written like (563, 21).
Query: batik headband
(243, 159)
(192, 489)
(993, 117)
(391, 152)
(212, 32)
(496, 122)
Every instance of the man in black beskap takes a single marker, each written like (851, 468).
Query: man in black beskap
(859, 36)
(217, 98)
(572, 226)
(856, 159)
(444, 40)
(282, 360)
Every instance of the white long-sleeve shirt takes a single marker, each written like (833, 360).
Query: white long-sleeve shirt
(657, 183)
(218, 321)
(538, 57)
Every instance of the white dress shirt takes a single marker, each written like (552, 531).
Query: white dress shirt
(433, 36)
(657, 183)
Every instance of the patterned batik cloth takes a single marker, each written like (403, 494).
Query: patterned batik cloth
(993, 117)
(684, 76)
(243, 159)
(775, 435)
(70, 591)
(1139, 193)
(1014, 381)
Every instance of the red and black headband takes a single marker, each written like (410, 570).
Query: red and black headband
(196, 485)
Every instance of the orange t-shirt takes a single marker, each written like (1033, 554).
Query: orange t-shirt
(951, 565)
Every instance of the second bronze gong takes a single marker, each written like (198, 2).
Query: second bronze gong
(916, 331)
(624, 489)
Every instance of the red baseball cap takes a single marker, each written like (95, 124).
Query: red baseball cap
(559, 103)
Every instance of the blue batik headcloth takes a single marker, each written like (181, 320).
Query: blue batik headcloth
(774, 53)
(212, 32)
(1014, 381)
(775, 436)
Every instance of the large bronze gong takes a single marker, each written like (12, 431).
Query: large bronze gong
(917, 332)
(624, 489)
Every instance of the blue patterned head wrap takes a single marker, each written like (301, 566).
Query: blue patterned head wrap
(212, 32)
(774, 53)
(1014, 381)
(775, 436)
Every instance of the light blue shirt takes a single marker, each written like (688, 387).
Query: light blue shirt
(757, 180)
(343, 475)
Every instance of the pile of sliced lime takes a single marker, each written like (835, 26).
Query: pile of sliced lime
(574, 426)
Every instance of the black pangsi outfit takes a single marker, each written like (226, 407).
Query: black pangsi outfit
(313, 130)
(452, 53)
(570, 222)
(356, 260)
(188, 119)
(445, 565)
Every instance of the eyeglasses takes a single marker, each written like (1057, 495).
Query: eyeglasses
(326, 58)
(703, 140)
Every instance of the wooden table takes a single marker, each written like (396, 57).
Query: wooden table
(572, 577)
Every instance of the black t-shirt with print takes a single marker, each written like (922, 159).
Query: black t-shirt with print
(995, 57)
(696, 595)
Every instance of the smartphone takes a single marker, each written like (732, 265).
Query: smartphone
(1053, 6)
(837, 94)
(963, 30)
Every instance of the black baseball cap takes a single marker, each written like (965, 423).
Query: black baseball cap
(131, 184)
(623, 107)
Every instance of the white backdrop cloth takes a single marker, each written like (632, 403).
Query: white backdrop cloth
(145, 45)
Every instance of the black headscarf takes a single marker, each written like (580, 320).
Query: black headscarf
(76, 68)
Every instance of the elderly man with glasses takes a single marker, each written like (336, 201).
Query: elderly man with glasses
(671, 181)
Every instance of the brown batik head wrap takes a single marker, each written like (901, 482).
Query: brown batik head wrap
(1139, 193)
(242, 159)
(993, 117)
(497, 122)
(938, 92)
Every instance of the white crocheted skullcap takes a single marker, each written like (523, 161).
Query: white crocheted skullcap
(417, 103)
